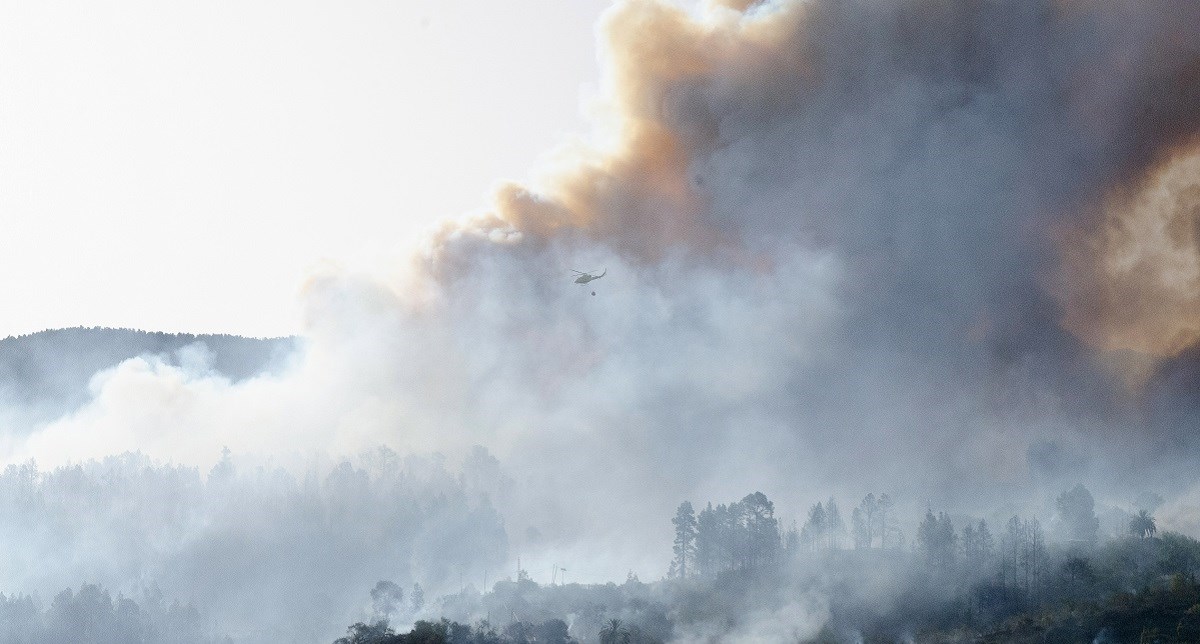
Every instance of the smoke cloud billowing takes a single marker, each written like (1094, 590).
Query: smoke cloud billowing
(946, 249)
(953, 240)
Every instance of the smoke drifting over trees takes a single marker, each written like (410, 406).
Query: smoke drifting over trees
(948, 584)
(266, 552)
(923, 274)
(44, 374)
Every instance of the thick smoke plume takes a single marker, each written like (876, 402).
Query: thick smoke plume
(942, 248)
(988, 206)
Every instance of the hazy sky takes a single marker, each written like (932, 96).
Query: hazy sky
(180, 166)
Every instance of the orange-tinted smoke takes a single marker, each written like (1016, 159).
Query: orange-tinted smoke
(639, 198)
(1133, 283)
(1129, 263)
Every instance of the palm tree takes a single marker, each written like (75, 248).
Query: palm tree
(614, 633)
(1142, 525)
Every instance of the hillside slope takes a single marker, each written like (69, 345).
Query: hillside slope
(47, 373)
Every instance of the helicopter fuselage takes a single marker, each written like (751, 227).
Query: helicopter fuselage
(584, 278)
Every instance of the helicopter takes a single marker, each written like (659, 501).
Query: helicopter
(584, 278)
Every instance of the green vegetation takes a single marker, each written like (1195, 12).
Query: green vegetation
(736, 574)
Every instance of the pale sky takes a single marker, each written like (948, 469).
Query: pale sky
(181, 166)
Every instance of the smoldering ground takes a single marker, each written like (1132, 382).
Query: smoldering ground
(940, 248)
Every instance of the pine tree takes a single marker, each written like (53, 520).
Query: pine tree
(1036, 558)
(869, 508)
(985, 545)
(1012, 548)
(947, 540)
(970, 546)
(685, 539)
(925, 534)
(859, 529)
(762, 530)
(791, 540)
(816, 528)
(834, 523)
(887, 522)
(707, 542)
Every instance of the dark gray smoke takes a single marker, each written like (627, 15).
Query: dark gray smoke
(939, 248)
(896, 206)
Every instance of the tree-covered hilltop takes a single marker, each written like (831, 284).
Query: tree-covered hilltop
(48, 371)
(268, 554)
(382, 538)
(737, 574)
(93, 615)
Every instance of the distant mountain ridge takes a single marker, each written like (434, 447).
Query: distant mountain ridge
(48, 372)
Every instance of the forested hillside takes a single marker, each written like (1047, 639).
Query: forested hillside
(48, 372)
(738, 575)
(263, 554)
